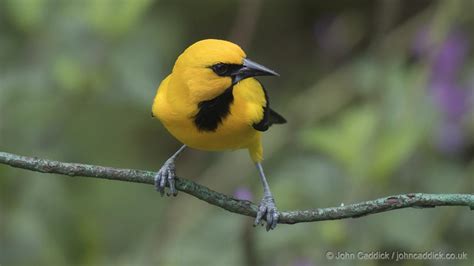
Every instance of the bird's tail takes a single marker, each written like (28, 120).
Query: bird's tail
(276, 118)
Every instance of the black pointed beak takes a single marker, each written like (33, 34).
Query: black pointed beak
(251, 69)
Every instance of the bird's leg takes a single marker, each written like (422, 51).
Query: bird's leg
(166, 174)
(267, 205)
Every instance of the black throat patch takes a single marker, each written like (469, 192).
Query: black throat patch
(212, 112)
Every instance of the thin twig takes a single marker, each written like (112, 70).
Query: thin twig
(244, 207)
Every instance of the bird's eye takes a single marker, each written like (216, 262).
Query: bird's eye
(220, 69)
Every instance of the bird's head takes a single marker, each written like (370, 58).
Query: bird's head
(209, 67)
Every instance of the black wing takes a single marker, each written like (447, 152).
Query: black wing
(270, 117)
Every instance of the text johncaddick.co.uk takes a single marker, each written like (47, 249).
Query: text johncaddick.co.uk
(396, 255)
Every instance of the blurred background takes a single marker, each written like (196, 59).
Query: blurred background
(378, 96)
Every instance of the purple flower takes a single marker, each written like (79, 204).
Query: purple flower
(449, 96)
(451, 99)
(243, 193)
(451, 57)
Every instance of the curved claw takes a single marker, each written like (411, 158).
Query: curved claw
(166, 176)
(268, 210)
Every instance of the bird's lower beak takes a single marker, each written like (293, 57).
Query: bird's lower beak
(252, 69)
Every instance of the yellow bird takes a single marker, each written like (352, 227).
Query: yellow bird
(211, 102)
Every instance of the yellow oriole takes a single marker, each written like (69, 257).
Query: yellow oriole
(211, 102)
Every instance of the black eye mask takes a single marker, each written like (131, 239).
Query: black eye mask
(225, 70)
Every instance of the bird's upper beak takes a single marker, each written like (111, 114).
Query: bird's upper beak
(251, 69)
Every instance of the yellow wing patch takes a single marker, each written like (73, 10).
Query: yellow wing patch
(250, 99)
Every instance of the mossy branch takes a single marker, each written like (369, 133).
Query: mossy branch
(244, 207)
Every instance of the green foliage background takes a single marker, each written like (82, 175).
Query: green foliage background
(77, 79)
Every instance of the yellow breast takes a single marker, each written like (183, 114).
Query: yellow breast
(234, 132)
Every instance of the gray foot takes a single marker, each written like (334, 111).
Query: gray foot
(267, 209)
(166, 176)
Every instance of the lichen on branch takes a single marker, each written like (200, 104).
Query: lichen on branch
(244, 207)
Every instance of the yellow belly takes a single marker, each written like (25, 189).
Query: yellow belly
(230, 135)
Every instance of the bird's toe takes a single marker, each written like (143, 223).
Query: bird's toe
(172, 183)
(260, 213)
(267, 210)
(158, 177)
(166, 176)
